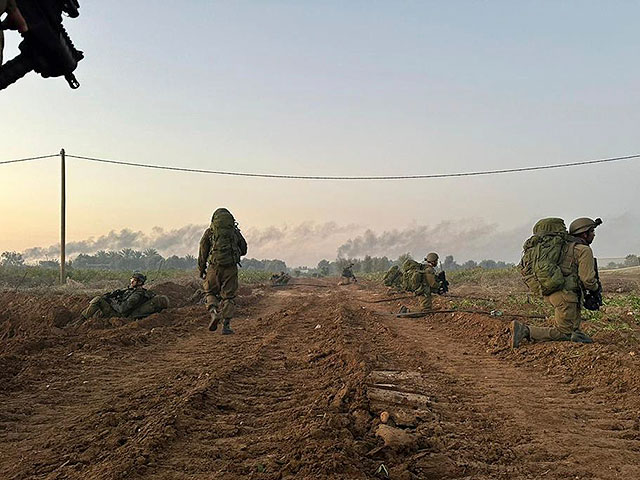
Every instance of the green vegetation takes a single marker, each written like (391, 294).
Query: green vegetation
(253, 276)
(19, 277)
(32, 276)
(483, 276)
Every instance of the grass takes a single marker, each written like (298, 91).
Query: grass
(32, 277)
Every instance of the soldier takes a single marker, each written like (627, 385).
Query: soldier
(221, 247)
(132, 302)
(347, 275)
(281, 278)
(422, 280)
(578, 268)
(430, 282)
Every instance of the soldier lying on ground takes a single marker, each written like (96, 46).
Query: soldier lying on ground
(281, 278)
(132, 302)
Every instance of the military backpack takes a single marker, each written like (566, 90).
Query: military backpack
(412, 275)
(391, 277)
(225, 245)
(542, 254)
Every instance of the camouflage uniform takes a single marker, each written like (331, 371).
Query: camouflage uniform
(220, 281)
(577, 266)
(132, 302)
(280, 278)
(421, 280)
(429, 285)
(347, 273)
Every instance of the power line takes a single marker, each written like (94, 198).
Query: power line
(28, 159)
(323, 177)
(385, 177)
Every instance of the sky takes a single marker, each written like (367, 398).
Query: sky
(331, 88)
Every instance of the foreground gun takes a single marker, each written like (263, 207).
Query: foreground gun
(444, 283)
(593, 300)
(46, 47)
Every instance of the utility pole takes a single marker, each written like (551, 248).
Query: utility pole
(63, 201)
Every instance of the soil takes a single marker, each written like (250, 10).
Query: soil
(299, 390)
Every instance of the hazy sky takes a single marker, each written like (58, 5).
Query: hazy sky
(333, 88)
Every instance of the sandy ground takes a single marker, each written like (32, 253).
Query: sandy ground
(298, 393)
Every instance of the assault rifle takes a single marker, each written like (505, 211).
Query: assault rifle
(46, 47)
(593, 299)
(444, 283)
(115, 295)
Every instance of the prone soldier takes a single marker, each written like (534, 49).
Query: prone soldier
(281, 278)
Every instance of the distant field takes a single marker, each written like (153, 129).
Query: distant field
(627, 271)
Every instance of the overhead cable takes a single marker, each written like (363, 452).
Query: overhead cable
(326, 177)
(28, 159)
(384, 177)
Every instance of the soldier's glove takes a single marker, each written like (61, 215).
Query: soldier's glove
(592, 300)
(444, 283)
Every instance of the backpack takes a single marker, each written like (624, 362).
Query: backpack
(391, 277)
(225, 244)
(542, 254)
(412, 275)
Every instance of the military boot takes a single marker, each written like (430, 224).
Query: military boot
(213, 324)
(580, 337)
(519, 332)
(226, 328)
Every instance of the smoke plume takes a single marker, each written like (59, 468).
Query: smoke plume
(468, 239)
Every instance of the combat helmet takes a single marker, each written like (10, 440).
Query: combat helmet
(220, 210)
(583, 224)
(432, 257)
(139, 276)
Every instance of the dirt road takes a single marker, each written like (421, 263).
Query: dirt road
(298, 391)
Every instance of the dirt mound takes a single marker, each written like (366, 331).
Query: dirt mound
(26, 315)
(179, 295)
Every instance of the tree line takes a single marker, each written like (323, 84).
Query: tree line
(130, 259)
(630, 260)
(150, 259)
